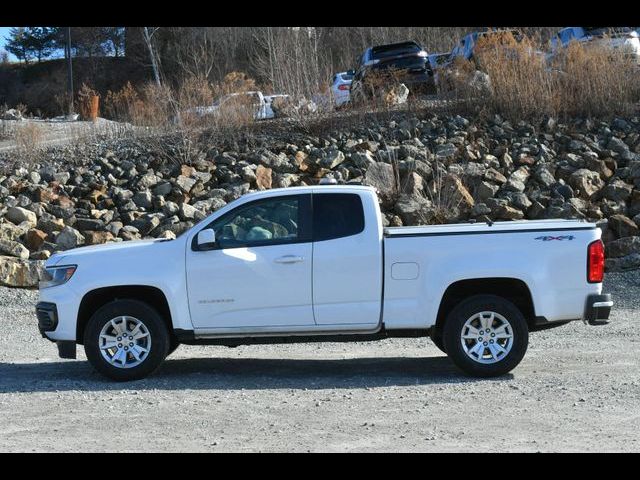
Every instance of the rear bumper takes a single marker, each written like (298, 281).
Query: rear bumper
(598, 309)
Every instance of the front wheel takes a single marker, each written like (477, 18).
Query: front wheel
(126, 340)
(486, 335)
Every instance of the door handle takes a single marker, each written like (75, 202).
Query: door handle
(289, 259)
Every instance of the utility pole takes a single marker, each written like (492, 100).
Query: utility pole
(69, 70)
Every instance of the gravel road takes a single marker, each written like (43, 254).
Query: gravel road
(577, 389)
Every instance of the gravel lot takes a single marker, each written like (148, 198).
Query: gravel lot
(577, 389)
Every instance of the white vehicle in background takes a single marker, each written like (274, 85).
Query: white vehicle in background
(253, 103)
(309, 264)
(624, 39)
(340, 86)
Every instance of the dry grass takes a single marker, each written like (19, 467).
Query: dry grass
(28, 139)
(597, 81)
(580, 80)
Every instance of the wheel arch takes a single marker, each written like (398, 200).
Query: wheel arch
(513, 289)
(95, 299)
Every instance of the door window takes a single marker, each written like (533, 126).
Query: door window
(272, 221)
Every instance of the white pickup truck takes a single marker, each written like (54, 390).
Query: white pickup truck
(310, 264)
(258, 105)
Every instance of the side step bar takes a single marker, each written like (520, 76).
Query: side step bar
(188, 337)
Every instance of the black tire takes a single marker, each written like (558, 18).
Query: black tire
(155, 325)
(436, 338)
(173, 345)
(465, 310)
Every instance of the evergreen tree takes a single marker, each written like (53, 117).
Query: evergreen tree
(27, 43)
(41, 41)
(18, 44)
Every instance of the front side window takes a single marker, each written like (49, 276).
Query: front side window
(265, 222)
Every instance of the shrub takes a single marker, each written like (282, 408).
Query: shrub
(119, 105)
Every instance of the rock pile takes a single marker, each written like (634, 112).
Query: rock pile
(427, 170)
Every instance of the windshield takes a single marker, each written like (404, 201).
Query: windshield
(389, 50)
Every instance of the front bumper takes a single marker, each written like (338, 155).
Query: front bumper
(47, 314)
(598, 309)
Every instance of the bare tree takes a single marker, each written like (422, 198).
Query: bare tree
(148, 39)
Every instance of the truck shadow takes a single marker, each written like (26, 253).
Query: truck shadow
(240, 373)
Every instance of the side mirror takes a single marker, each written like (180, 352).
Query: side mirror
(206, 239)
(351, 72)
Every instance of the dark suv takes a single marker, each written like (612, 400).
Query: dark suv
(379, 66)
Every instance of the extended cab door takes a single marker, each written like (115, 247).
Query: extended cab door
(258, 274)
(347, 259)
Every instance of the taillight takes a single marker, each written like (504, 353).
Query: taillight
(595, 262)
(343, 87)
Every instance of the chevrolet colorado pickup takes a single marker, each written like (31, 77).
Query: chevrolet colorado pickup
(310, 264)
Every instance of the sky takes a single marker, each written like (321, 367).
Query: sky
(4, 32)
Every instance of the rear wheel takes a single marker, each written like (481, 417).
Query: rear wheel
(126, 340)
(486, 335)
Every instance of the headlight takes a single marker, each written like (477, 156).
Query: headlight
(54, 276)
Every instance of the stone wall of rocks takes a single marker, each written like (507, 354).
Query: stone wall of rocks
(427, 169)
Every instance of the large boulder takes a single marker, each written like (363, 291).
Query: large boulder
(623, 226)
(413, 210)
(15, 272)
(587, 182)
(11, 232)
(397, 95)
(97, 238)
(628, 262)
(263, 177)
(381, 176)
(69, 238)
(331, 159)
(623, 247)
(15, 249)
(454, 191)
(18, 215)
(617, 190)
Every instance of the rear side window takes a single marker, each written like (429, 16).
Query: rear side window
(336, 215)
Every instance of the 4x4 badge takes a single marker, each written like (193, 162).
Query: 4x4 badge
(547, 238)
